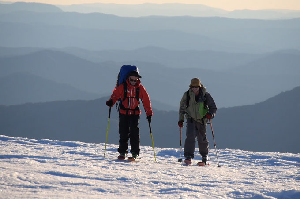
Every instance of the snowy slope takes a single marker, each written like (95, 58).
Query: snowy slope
(55, 169)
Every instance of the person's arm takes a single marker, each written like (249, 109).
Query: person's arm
(182, 107)
(212, 107)
(144, 96)
(117, 94)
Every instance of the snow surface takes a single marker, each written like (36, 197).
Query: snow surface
(55, 169)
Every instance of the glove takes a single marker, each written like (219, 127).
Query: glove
(109, 103)
(209, 116)
(149, 118)
(180, 124)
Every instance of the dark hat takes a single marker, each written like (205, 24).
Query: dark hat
(134, 73)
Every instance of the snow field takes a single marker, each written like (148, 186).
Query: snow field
(57, 169)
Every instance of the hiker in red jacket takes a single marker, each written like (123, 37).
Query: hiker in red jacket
(130, 92)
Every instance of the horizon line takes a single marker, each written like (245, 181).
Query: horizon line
(79, 2)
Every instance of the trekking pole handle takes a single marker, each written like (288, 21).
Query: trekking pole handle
(180, 130)
(150, 127)
(109, 112)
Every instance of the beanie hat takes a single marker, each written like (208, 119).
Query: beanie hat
(195, 82)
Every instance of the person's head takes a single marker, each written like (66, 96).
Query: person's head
(195, 85)
(133, 77)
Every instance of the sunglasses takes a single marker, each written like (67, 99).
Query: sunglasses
(133, 80)
(195, 87)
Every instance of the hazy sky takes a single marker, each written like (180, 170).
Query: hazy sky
(223, 4)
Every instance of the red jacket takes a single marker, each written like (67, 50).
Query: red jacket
(131, 101)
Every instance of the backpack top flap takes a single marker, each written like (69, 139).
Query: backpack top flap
(124, 71)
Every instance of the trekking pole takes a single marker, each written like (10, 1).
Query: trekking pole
(107, 130)
(212, 131)
(180, 159)
(152, 140)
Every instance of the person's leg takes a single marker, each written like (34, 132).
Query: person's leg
(124, 134)
(189, 145)
(134, 134)
(202, 141)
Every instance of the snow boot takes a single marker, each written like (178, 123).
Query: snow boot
(203, 163)
(121, 156)
(188, 160)
(133, 157)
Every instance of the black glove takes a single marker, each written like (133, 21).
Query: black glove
(209, 115)
(149, 117)
(109, 103)
(180, 124)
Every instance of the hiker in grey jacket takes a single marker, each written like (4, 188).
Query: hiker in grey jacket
(198, 106)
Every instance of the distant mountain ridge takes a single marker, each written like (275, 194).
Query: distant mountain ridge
(22, 87)
(33, 7)
(97, 31)
(274, 64)
(100, 78)
(271, 125)
(150, 9)
(177, 9)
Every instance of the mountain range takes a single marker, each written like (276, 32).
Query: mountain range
(22, 87)
(98, 31)
(100, 78)
(271, 125)
(150, 9)
(31, 7)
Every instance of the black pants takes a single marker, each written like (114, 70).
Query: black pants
(129, 128)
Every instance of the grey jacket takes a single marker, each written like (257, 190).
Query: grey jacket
(192, 111)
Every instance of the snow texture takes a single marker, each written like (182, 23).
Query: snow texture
(63, 169)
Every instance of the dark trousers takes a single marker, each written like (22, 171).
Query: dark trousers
(195, 130)
(129, 129)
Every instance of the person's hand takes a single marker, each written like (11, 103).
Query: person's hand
(109, 103)
(180, 124)
(149, 118)
(209, 116)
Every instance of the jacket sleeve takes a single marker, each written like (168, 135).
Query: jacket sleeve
(117, 93)
(212, 107)
(182, 107)
(146, 100)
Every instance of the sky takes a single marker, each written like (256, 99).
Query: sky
(226, 5)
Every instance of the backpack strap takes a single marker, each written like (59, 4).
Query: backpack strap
(137, 92)
(125, 91)
(187, 99)
(137, 96)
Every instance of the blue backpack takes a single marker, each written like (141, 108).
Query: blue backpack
(124, 71)
(122, 77)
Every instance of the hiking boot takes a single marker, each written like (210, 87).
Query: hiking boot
(134, 155)
(204, 159)
(121, 156)
(188, 160)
